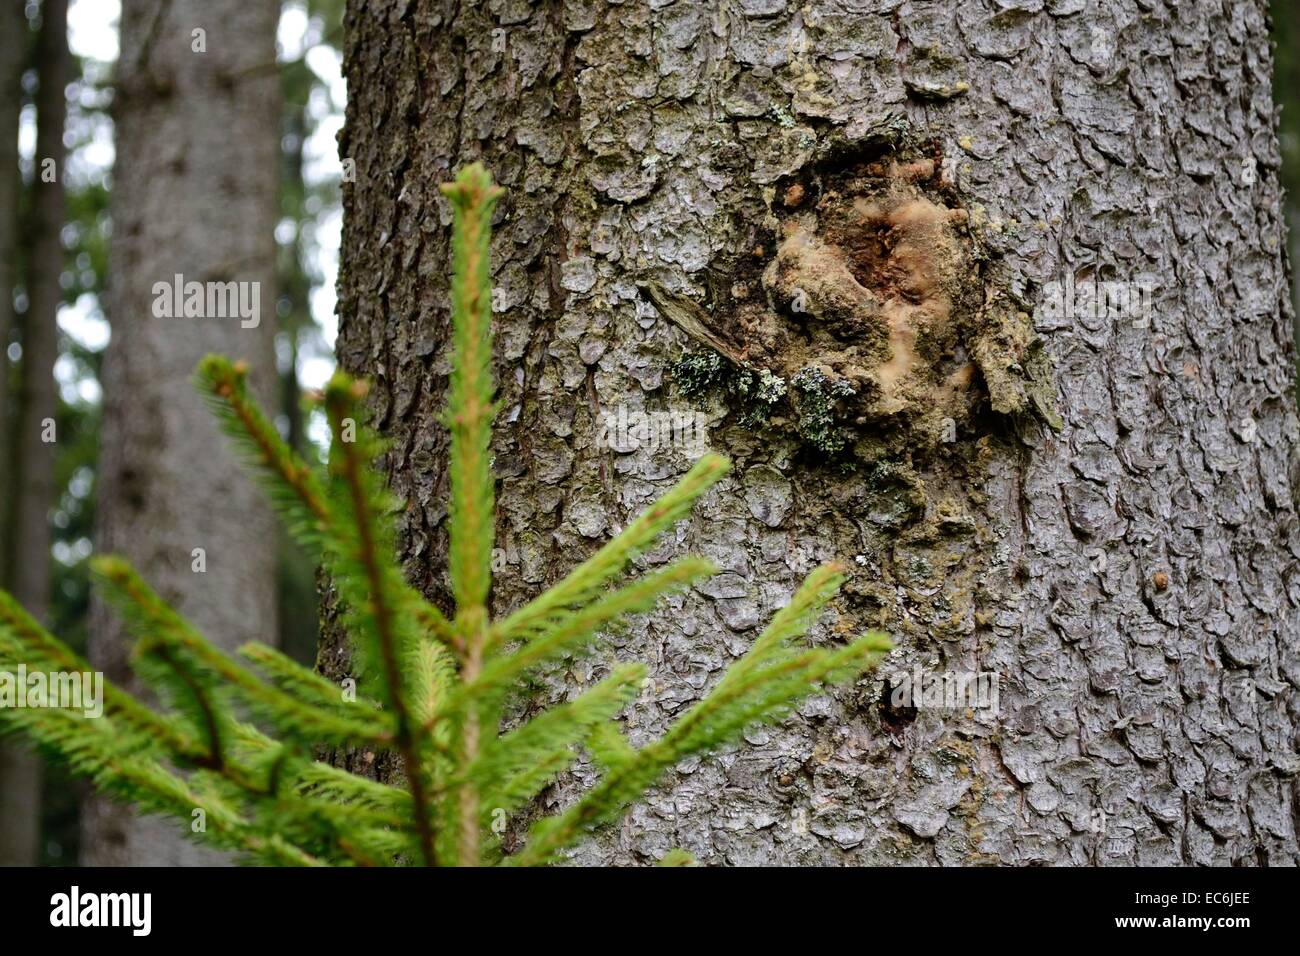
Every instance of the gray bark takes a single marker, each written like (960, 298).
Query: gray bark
(1131, 580)
(197, 138)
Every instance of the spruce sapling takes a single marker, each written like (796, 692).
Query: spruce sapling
(235, 734)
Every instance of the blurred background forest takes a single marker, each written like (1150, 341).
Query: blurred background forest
(307, 239)
(54, 264)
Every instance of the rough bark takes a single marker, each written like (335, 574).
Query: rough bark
(1131, 580)
(194, 193)
(33, 454)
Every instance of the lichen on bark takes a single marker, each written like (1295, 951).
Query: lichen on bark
(879, 306)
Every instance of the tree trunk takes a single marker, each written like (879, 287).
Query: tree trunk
(30, 480)
(194, 194)
(876, 195)
(17, 843)
(13, 61)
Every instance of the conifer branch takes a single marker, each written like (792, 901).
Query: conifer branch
(292, 483)
(469, 416)
(582, 584)
(582, 625)
(470, 406)
(439, 686)
(152, 617)
(34, 646)
(225, 385)
(338, 400)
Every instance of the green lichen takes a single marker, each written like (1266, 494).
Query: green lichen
(771, 388)
(816, 396)
(699, 373)
(759, 392)
(782, 116)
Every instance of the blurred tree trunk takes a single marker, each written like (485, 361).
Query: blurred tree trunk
(20, 776)
(194, 193)
(13, 62)
(1131, 580)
